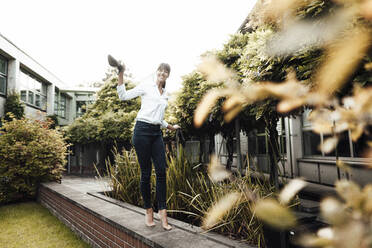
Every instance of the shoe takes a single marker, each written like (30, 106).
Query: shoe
(114, 63)
(162, 215)
(149, 219)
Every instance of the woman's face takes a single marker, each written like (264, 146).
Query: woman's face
(162, 75)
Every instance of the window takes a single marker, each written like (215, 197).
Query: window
(257, 143)
(62, 106)
(3, 75)
(30, 98)
(24, 95)
(261, 144)
(80, 108)
(311, 141)
(360, 146)
(258, 140)
(33, 91)
(234, 146)
(56, 101)
(60, 101)
(281, 136)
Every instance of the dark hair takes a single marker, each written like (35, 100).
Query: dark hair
(164, 66)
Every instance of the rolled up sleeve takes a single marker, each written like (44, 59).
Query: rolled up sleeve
(164, 124)
(129, 94)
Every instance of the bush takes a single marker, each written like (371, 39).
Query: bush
(30, 153)
(13, 107)
(53, 121)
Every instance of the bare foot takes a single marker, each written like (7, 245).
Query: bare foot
(164, 220)
(149, 217)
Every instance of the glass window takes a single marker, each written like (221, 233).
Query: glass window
(332, 153)
(43, 102)
(30, 97)
(80, 109)
(44, 89)
(37, 100)
(33, 90)
(37, 85)
(24, 81)
(305, 118)
(62, 106)
(252, 144)
(311, 142)
(24, 95)
(2, 84)
(360, 146)
(343, 147)
(3, 66)
(261, 144)
(281, 136)
(282, 144)
(56, 102)
(3, 74)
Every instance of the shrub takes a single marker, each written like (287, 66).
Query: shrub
(53, 121)
(13, 107)
(30, 153)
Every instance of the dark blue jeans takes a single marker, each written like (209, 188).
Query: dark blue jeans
(148, 143)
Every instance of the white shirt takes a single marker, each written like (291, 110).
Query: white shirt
(153, 104)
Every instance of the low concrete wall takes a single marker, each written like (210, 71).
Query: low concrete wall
(106, 222)
(91, 228)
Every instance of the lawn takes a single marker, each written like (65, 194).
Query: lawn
(33, 226)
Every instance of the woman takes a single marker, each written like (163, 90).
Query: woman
(148, 140)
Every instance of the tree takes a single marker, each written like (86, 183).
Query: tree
(194, 87)
(108, 119)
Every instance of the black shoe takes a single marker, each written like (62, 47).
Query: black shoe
(114, 63)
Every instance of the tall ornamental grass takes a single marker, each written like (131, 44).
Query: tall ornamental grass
(191, 193)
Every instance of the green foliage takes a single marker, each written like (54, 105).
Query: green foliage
(13, 107)
(194, 87)
(30, 153)
(108, 120)
(54, 121)
(232, 50)
(125, 177)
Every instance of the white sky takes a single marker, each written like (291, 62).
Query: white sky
(72, 38)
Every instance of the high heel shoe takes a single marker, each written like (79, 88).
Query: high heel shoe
(162, 214)
(149, 218)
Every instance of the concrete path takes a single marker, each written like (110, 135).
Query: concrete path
(86, 184)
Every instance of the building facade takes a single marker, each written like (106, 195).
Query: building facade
(300, 155)
(42, 93)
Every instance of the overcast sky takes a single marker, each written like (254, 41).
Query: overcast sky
(72, 38)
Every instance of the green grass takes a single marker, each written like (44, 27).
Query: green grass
(30, 225)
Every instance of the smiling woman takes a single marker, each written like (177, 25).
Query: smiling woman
(31, 225)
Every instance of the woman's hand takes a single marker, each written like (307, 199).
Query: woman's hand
(173, 127)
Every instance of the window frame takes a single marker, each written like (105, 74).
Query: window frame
(5, 76)
(324, 156)
(25, 87)
(62, 113)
